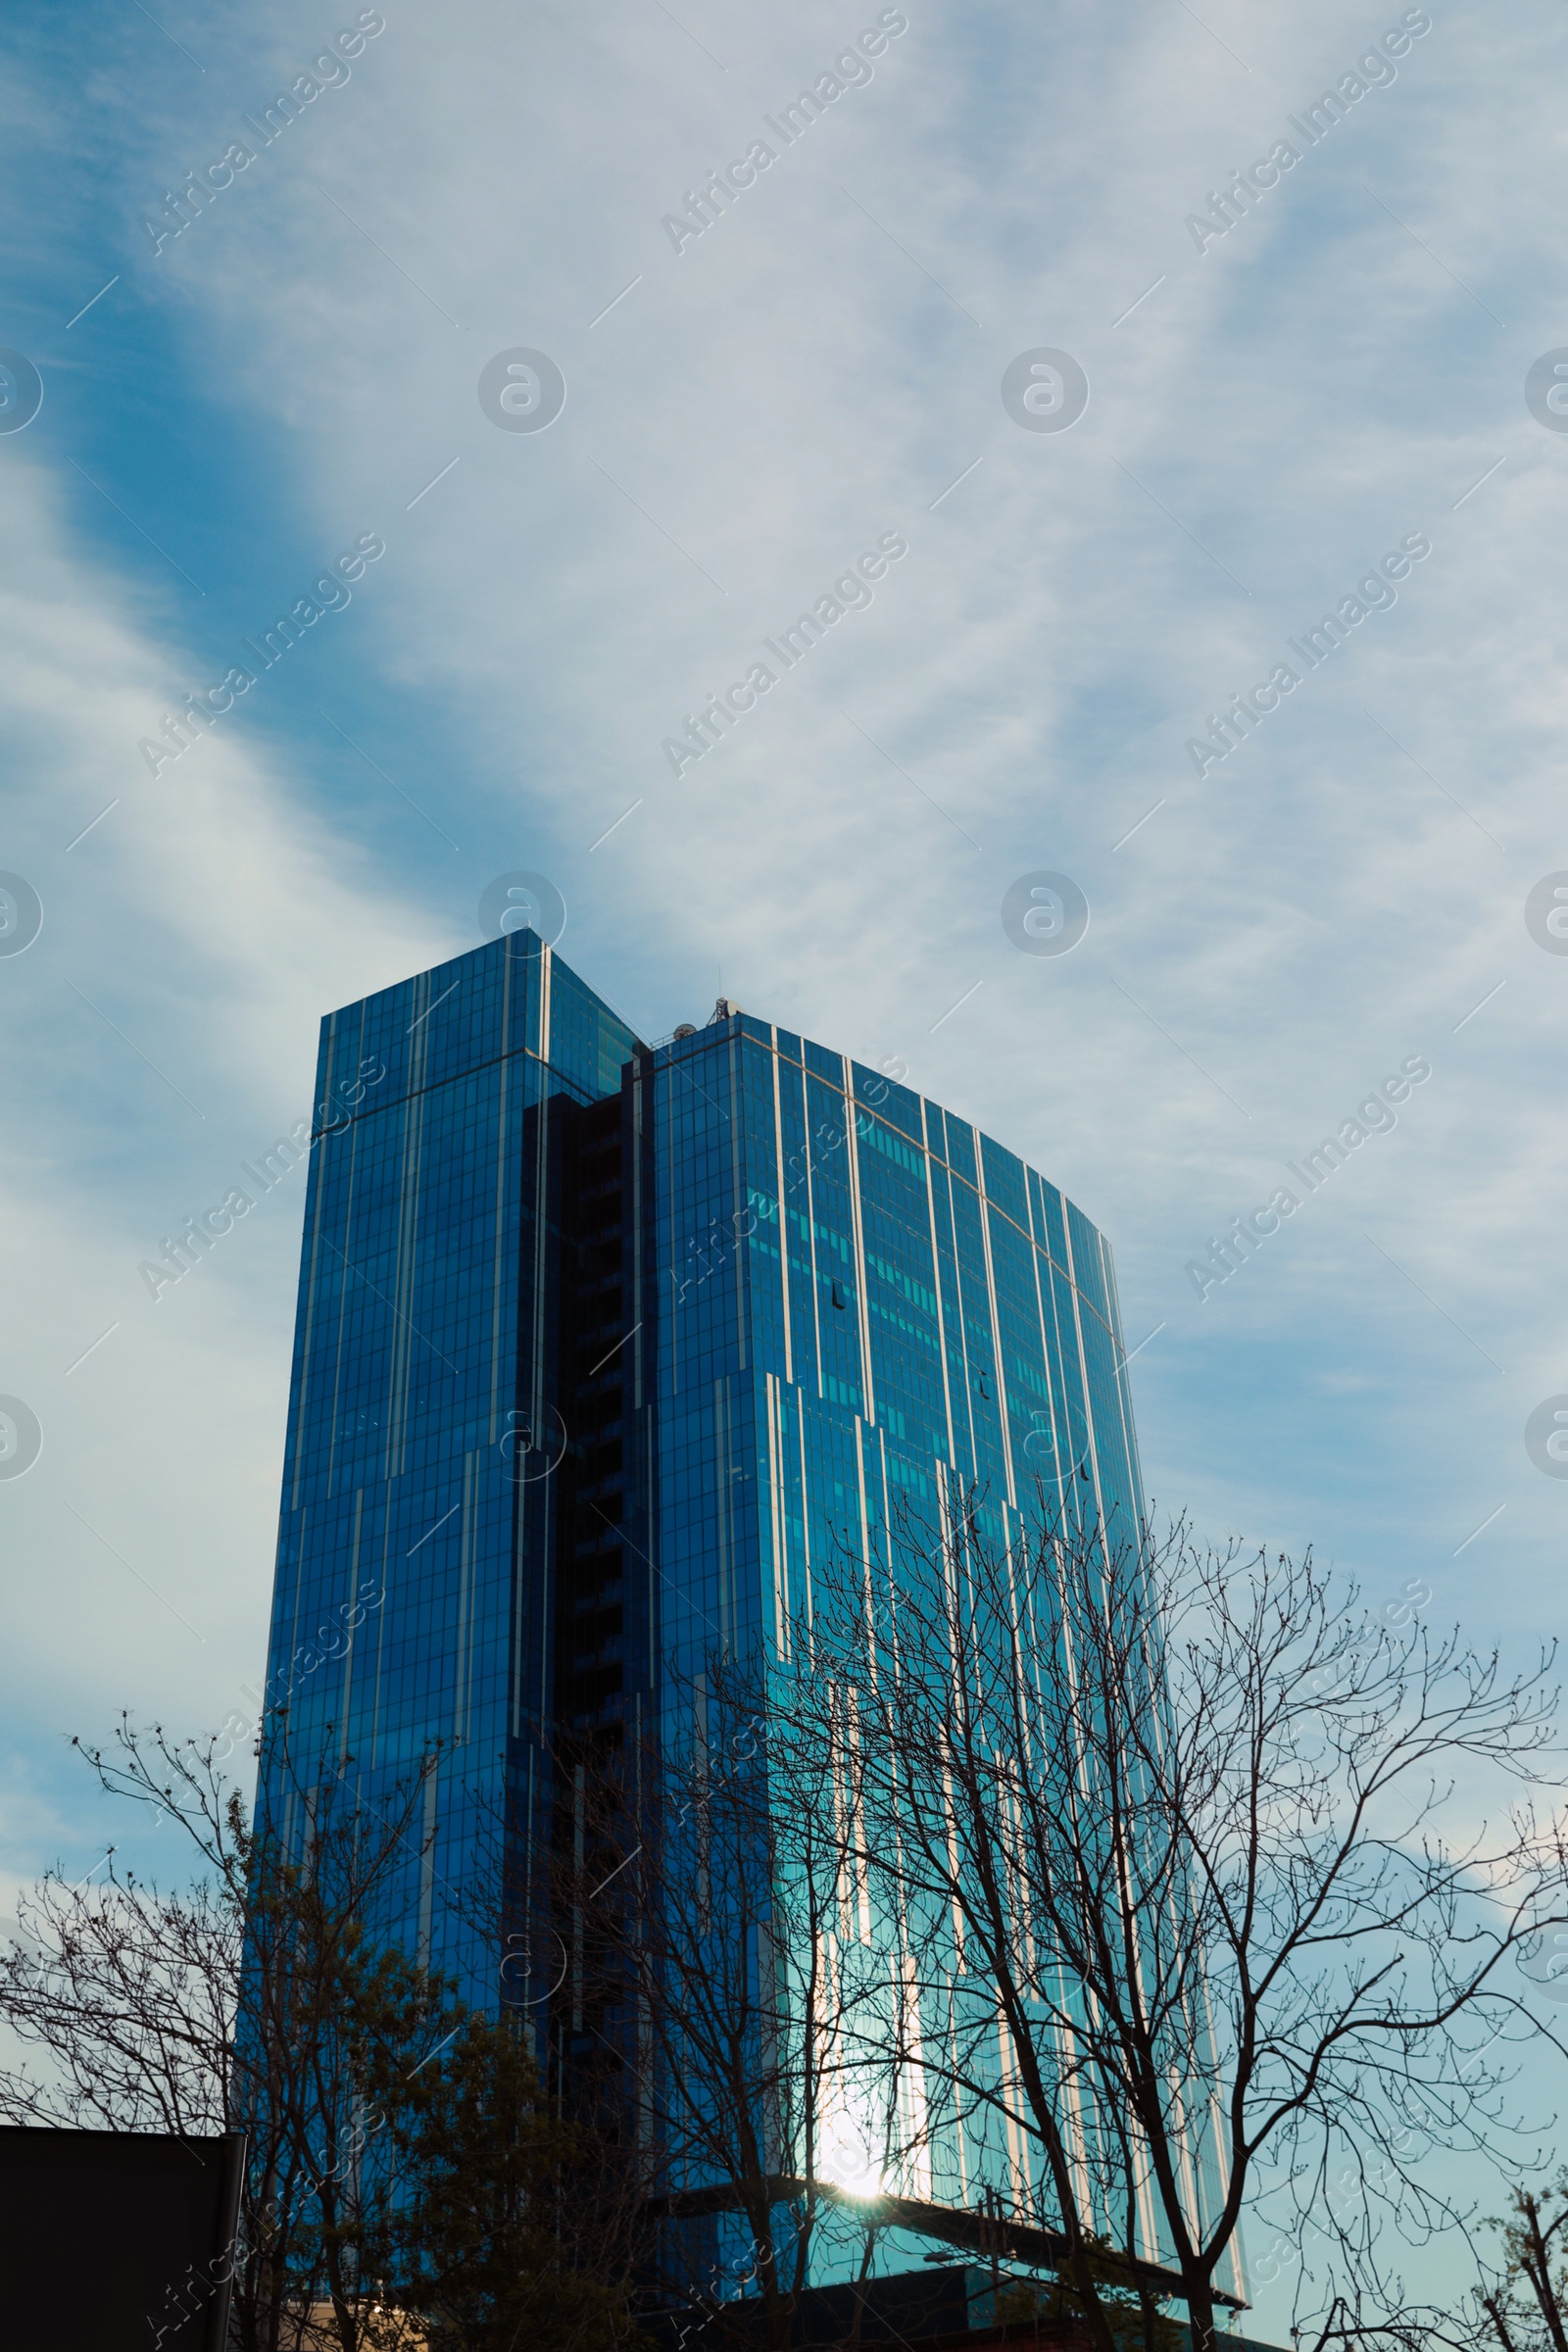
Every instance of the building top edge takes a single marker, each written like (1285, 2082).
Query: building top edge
(993, 1168)
(520, 944)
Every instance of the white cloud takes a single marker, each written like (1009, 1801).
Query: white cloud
(159, 1029)
(1268, 421)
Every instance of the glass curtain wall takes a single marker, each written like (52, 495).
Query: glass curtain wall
(413, 1626)
(867, 1314)
(601, 1352)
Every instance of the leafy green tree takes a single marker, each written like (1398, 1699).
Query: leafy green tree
(327, 2015)
(503, 2225)
(407, 2184)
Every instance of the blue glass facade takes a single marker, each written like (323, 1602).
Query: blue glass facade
(602, 1349)
(860, 1297)
(414, 1604)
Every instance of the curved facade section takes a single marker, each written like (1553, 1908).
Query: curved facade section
(860, 1300)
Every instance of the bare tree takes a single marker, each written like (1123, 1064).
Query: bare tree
(1160, 1835)
(715, 1941)
(132, 1995)
(1525, 2308)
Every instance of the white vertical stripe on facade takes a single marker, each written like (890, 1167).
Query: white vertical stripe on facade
(777, 1520)
(996, 1329)
(851, 1145)
(811, 1234)
(953, 1180)
(961, 2121)
(1076, 2137)
(783, 1219)
(916, 2133)
(806, 1505)
(866, 1535)
(887, 1511)
(1039, 1242)
(737, 1200)
(1012, 2091)
(1093, 1455)
(936, 1271)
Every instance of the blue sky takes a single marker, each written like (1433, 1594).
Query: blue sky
(1267, 417)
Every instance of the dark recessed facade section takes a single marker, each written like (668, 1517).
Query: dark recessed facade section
(595, 1501)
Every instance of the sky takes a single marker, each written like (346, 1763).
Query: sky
(1338, 400)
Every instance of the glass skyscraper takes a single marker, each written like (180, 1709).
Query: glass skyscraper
(601, 1348)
